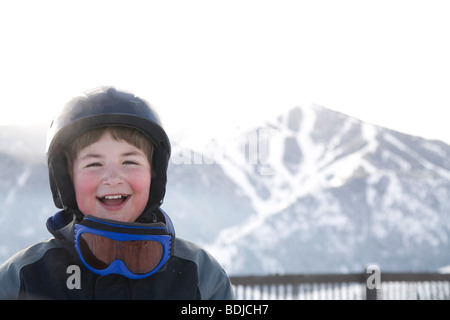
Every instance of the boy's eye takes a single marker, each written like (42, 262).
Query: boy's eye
(130, 162)
(94, 164)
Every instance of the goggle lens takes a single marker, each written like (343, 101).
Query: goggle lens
(139, 256)
(133, 250)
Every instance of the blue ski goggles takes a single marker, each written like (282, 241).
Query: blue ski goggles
(134, 250)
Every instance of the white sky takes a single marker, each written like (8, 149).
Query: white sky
(217, 65)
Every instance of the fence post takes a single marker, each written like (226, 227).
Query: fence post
(372, 278)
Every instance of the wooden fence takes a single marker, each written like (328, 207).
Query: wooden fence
(356, 286)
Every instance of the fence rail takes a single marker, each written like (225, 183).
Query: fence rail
(355, 286)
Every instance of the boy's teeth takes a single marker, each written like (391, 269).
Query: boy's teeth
(112, 197)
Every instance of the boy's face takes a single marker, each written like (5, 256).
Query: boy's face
(112, 180)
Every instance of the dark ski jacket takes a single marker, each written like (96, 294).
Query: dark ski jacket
(52, 269)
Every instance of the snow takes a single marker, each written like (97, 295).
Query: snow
(21, 180)
(327, 166)
(426, 163)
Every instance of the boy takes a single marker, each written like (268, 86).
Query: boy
(107, 159)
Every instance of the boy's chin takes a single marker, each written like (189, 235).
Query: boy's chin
(116, 216)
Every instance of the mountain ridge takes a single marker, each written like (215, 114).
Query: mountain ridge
(343, 163)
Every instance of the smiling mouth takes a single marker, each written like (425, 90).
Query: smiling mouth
(113, 200)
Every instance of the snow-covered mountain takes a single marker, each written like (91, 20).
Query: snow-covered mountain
(311, 191)
(343, 194)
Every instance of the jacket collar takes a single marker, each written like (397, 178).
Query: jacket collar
(61, 225)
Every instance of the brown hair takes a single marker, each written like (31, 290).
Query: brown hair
(127, 134)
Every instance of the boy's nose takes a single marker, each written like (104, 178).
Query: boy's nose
(112, 176)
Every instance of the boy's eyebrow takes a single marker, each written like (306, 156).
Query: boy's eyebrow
(91, 155)
(132, 153)
(98, 156)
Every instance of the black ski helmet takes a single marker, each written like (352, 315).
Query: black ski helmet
(103, 107)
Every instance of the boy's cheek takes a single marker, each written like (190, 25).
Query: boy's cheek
(84, 187)
(143, 183)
